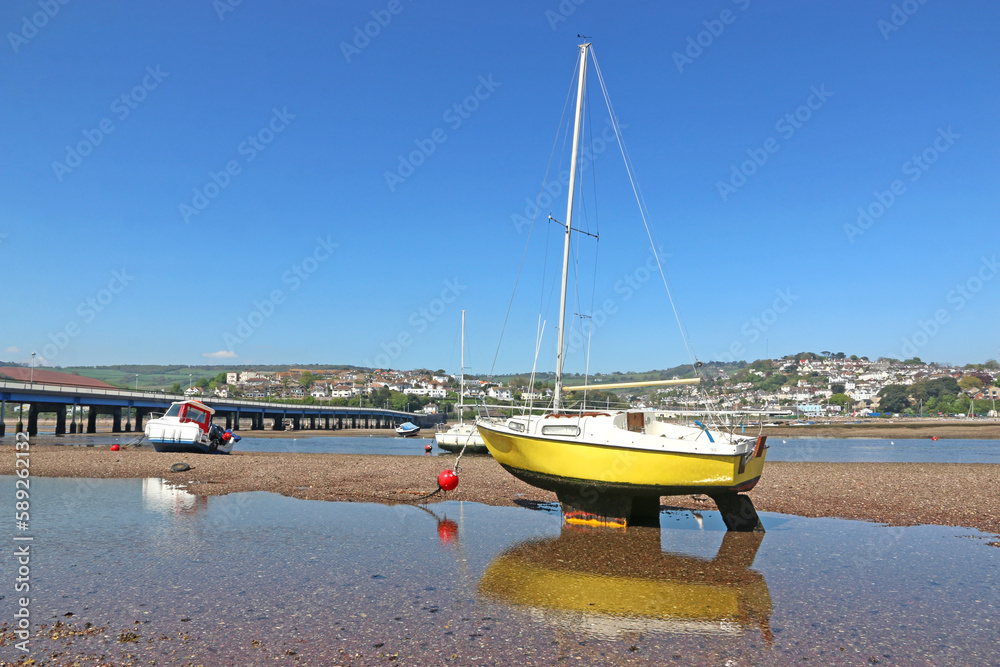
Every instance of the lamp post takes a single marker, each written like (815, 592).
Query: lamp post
(137, 382)
(32, 370)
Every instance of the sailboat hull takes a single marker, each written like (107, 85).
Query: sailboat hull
(459, 437)
(564, 465)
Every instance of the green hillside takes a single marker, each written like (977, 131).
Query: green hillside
(152, 377)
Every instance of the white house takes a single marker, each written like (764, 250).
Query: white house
(500, 393)
(342, 391)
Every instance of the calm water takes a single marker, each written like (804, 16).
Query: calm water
(879, 450)
(394, 446)
(258, 578)
(782, 449)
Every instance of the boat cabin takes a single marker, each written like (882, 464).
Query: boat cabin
(192, 411)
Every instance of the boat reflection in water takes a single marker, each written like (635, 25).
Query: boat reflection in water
(161, 496)
(610, 584)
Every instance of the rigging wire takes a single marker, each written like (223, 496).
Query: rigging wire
(597, 247)
(643, 212)
(531, 228)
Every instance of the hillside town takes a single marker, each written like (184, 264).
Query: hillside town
(809, 384)
(834, 384)
(396, 388)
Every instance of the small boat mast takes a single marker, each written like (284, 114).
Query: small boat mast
(557, 402)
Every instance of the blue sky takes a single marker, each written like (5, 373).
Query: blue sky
(193, 178)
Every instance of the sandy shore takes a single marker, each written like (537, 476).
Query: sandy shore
(893, 493)
(899, 430)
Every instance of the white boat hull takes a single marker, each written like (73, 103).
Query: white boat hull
(170, 435)
(459, 436)
(407, 430)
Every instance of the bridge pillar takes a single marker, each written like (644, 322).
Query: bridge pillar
(312, 422)
(128, 419)
(338, 424)
(229, 420)
(116, 420)
(3, 424)
(72, 418)
(257, 422)
(140, 414)
(33, 419)
(91, 419)
(278, 424)
(236, 420)
(61, 420)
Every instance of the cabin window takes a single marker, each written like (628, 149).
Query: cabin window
(561, 429)
(515, 426)
(174, 411)
(195, 415)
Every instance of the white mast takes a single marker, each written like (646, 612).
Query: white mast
(557, 398)
(461, 376)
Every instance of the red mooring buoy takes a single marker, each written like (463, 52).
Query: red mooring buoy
(448, 480)
(933, 437)
(115, 448)
(427, 448)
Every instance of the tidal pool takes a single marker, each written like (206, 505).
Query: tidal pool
(160, 573)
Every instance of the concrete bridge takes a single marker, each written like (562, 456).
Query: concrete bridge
(81, 407)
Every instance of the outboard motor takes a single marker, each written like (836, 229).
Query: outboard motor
(216, 436)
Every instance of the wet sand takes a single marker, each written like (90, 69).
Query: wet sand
(902, 494)
(898, 430)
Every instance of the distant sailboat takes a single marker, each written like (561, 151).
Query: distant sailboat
(611, 467)
(461, 435)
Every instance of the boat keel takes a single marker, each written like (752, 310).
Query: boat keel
(738, 513)
(609, 510)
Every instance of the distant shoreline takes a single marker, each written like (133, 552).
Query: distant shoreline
(898, 430)
(895, 429)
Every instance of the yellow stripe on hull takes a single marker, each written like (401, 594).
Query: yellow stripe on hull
(618, 466)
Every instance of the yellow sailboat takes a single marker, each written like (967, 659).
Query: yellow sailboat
(611, 467)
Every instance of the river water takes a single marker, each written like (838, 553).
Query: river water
(781, 449)
(257, 578)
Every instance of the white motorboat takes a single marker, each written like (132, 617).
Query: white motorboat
(187, 427)
(407, 429)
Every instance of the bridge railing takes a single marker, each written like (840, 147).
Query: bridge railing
(82, 392)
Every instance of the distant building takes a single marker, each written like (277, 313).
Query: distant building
(41, 376)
